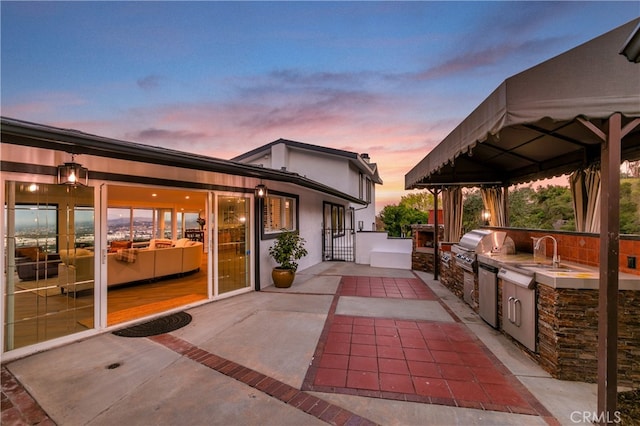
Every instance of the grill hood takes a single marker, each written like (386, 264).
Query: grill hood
(483, 241)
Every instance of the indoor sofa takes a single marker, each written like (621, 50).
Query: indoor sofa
(162, 258)
(33, 263)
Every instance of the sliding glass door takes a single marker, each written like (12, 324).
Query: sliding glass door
(49, 244)
(233, 224)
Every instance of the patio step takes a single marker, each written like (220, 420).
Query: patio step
(390, 259)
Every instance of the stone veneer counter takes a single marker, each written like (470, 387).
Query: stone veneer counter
(575, 276)
(567, 320)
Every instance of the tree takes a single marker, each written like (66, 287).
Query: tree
(422, 201)
(397, 220)
(472, 207)
(554, 208)
(521, 207)
(629, 207)
(545, 208)
(549, 207)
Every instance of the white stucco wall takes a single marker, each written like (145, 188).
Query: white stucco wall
(279, 156)
(310, 227)
(336, 172)
(367, 215)
(331, 171)
(368, 242)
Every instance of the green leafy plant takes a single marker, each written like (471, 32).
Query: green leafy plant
(287, 249)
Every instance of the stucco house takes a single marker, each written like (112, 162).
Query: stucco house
(108, 231)
(345, 171)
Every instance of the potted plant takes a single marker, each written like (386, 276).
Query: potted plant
(287, 249)
(201, 221)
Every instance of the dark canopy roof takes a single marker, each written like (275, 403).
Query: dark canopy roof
(530, 127)
(631, 49)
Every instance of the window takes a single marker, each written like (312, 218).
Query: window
(129, 224)
(36, 225)
(188, 221)
(337, 220)
(164, 227)
(278, 213)
(83, 219)
(364, 188)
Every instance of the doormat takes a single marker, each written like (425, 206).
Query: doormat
(157, 326)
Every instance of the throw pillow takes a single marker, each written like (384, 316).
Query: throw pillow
(182, 242)
(32, 253)
(158, 242)
(118, 245)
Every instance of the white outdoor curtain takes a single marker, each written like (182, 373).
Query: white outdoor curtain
(493, 202)
(452, 213)
(585, 189)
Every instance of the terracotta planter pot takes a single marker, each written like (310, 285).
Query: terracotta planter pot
(282, 278)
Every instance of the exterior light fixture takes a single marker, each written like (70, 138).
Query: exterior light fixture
(73, 174)
(486, 216)
(261, 191)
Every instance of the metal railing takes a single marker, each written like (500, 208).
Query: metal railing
(338, 245)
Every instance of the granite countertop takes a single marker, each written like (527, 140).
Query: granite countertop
(569, 275)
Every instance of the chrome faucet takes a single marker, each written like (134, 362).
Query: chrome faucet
(556, 258)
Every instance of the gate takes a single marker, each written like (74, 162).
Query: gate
(338, 242)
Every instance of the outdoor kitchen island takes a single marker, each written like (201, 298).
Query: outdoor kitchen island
(566, 317)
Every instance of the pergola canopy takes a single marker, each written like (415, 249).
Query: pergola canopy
(531, 127)
(578, 109)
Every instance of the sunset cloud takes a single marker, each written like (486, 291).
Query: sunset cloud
(222, 78)
(155, 135)
(149, 82)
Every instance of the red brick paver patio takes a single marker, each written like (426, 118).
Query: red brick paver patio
(403, 288)
(422, 361)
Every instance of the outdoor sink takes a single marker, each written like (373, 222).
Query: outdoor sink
(548, 267)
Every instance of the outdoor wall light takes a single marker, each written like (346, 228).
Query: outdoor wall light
(261, 191)
(72, 174)
(486, 216)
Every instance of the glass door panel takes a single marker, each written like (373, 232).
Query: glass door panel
(49, 277)
(233, 243)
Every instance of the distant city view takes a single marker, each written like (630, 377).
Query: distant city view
(45, 235)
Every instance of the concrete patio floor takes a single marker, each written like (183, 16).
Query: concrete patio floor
(254, 359)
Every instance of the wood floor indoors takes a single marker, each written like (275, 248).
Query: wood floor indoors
(45, 314)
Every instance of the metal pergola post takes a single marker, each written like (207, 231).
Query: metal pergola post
(610, 158)
(609, 253)
(436, 255)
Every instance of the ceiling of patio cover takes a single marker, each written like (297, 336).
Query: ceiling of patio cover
(528, 128)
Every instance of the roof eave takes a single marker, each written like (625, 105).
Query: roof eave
(25, 133)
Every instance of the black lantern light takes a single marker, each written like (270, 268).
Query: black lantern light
(261, 191)
(486, 217)
(72, 173)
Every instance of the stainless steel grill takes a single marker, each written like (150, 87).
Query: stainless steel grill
(466, 259)
(476, 242)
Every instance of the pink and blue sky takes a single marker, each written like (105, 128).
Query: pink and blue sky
(391, 79)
